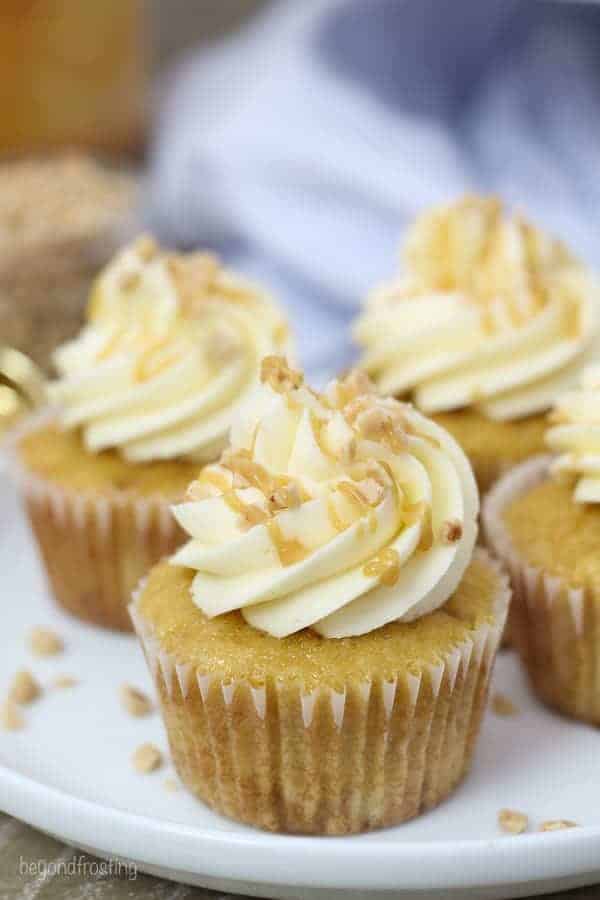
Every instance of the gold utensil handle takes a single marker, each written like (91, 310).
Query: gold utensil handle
(19, 373)
(22, 386)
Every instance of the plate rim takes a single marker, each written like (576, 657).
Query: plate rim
(421, 865)
(335, 862)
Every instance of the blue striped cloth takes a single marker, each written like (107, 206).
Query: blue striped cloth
(303, 146)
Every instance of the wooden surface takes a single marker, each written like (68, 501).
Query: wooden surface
(20, 845)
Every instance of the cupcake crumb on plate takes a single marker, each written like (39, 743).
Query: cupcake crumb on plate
(147, 758)
(512, 821)
(45, 642)
(10, 717)
(134, 701)
(65, 681)
(24, 688)
(503, 705)
(557, 825)
(171, 785)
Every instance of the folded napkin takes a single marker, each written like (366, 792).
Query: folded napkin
(303, 146)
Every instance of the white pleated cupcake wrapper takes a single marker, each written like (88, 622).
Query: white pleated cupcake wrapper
(94, 546)
(86, 507)
(531, 584)
(83, 506)
(481, 648)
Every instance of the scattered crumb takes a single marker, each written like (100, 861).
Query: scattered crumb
(147, 758)
(512, 822)
(45, 642)
(134, 701)
(146, 247)
(557, 825)
(451, 531)
(10, 717)
(171, 785)
(25, 688)
(129, 281)
(503, 705)
(65, 681)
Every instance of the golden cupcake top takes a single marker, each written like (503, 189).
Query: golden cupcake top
(171, 348)
(488, 312)
(340, 511)
(575, 435)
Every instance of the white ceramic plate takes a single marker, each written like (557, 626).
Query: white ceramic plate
(69, 773)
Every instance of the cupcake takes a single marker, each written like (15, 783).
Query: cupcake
(488, 322)
(145, 398)
(543, 520)
(323, 642)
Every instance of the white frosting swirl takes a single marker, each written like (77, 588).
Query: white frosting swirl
(171, 350)
(576, 437)
(489, 313)
(340, 512)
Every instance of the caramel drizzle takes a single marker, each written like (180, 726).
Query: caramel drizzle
(242, 464)
(112, 344)
(427, 538)
(95, 303)
(317, 425)
(384, 566)
(250, 512)
(573, 317)
(289, 551)
(393, 437)
(192, 277)
(337, 523)
(524, 286)
(215, 478)
(282, 491)
(414, 512)
(155, 359)
(353, 493)
(276, 489)
(275, 372)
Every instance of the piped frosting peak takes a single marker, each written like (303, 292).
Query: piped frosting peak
(489, 312)
(575, 435)
(171, 348)
(340, 511)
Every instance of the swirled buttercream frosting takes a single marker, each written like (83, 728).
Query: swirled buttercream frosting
(575, 435)
(171, 349)
(489, 312)
(339, 511)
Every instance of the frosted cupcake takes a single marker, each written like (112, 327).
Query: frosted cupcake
(323, 642)
(543, 519)
(489, 320)
(145, 397)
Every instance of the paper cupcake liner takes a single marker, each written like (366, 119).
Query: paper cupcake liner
(487, 473)
(95, 548)
(554, 626)
(371, 754)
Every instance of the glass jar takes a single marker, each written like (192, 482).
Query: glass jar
(72, 72)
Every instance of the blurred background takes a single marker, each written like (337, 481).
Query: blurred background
(296, 139)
